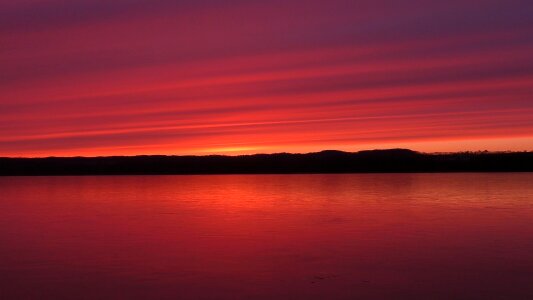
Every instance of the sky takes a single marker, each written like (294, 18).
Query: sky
(128, 77)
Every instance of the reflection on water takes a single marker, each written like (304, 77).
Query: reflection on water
(361, 236)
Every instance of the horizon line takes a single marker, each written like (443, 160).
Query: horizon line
(275, 153)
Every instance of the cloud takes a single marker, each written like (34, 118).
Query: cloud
(88, 76)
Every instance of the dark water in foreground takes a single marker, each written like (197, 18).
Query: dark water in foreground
(364, 236)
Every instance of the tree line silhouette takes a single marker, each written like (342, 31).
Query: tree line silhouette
(328, 161)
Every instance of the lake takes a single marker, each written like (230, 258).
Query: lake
(339, 236)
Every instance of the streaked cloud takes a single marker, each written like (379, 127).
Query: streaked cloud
(137, 76)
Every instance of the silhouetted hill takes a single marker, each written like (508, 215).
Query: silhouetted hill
(328, 161)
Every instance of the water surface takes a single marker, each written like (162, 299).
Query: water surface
(360, 236)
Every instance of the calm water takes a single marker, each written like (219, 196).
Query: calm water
(364, 236)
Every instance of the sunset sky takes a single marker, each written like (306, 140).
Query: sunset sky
(126, 77)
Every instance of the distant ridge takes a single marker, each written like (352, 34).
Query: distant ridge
(327, 161)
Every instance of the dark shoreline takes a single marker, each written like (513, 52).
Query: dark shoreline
(329, 161)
